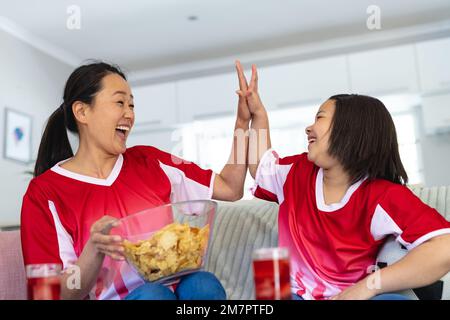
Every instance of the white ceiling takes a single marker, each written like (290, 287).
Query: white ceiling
(141, 34)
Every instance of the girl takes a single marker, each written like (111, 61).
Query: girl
(74, 200)
(341, 199)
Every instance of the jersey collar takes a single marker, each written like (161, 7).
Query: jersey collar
(80, 177)
(320, 201)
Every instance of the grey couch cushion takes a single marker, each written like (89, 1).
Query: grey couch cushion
(240, 228)
(246, 225)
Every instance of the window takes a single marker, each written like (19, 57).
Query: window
(409, 146)
(405, 113)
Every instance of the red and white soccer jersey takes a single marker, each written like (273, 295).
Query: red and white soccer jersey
(60, 206)
(334, 246)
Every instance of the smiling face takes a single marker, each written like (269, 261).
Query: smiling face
(319, 135)
(108, 121)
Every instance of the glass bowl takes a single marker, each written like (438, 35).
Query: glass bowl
(169, 241)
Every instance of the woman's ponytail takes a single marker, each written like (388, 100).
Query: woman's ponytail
(55, 145)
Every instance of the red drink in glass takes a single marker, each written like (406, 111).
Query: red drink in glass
(43, 281)
(271, 274)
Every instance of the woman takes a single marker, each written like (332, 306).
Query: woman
(340, 201)
(74, 200)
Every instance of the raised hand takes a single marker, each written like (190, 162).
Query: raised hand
(259, 137)
(243, 113)
(250, 91)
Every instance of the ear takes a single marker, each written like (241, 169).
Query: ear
(80, 110)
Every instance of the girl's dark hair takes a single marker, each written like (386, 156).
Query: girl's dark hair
(364, 140)
(83, 85)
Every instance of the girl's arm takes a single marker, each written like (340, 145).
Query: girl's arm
(229, 183)
(259, 141)
(91, 259)
(422, 266)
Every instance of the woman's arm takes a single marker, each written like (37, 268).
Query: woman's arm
(91, 259)
(422, 266)
(229, 183)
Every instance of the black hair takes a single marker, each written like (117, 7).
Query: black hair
(364, 140)
(83, 85)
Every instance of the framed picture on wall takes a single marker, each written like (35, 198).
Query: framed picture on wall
(17, 136)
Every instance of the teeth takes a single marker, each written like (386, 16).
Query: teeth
(123, 128)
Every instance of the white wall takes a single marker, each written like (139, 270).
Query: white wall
(30, 82)
(436, 159)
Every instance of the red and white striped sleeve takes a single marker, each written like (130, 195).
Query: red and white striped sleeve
(402, 214)
(271, 176)
(188, 181)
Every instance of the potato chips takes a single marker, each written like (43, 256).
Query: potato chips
(174, 248)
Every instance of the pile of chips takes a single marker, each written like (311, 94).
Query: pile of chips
(174, 248)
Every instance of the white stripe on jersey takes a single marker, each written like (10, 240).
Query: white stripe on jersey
(109, 294)
(129, 277)
(183, 188)
(65, 241)
(383, 225)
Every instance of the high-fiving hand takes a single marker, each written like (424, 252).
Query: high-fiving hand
(250, 103)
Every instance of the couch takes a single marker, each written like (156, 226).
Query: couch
(240, 228)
